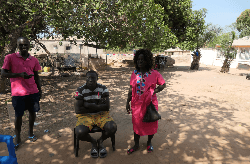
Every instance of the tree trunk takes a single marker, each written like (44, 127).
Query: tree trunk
(51, 58)
(2, 84)
(226, 65)
(196, 62)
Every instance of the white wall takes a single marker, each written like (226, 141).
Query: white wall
(219, 62)
(53, 47)
(209, 57)
(51, 44)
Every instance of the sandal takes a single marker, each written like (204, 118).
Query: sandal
(150, 148)
(102, 152)
(94, 153)
(33, 138)
(133, 149)
(16, 146)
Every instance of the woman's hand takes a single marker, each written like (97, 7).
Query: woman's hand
(128, 108)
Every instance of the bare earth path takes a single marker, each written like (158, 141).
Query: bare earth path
(205, 119)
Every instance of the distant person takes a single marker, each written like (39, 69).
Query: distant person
(142, 89)
(92, 108)
(22, 69)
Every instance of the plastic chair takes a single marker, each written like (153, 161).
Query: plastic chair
(11, 159)
(93, 130)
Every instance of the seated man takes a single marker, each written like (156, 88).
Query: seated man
(92, 108)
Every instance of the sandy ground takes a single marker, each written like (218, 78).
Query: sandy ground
(205, 119)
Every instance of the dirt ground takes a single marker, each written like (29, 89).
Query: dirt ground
(205, 119)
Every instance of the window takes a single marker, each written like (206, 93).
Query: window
(67, 47)
(55, 47)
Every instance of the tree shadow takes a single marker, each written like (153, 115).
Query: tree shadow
(192, 129)
(199, 136)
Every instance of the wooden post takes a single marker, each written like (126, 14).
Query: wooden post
(88, 61)
(96, 52)
(80, 56)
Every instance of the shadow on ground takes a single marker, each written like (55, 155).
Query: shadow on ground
(190, 130)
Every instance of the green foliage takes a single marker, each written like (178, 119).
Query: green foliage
(224, 34)
(226, 46)
(218, 39)
(177, 16)
(121, 25)
(197, 33)
(243, 23)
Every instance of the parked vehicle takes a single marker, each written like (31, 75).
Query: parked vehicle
(160, 61)
(163, 61)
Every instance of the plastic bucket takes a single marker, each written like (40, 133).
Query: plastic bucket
(46, 69)
(41, 69)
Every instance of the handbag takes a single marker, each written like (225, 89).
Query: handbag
(152, 114)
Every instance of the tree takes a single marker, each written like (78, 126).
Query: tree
(27, 18)
(224, 34)
(110, 23)
(177, 15)
(198, 35)
(228, 51)
(243, 23)
(218, 40)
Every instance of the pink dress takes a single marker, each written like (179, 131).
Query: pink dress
(142, 91)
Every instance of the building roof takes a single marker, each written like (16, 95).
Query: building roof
(242, 42)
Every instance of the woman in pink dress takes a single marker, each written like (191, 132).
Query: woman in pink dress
(142, 90)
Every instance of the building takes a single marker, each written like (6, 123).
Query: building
(243, 50)
(66, 49)
(242, 58)
(178, 55)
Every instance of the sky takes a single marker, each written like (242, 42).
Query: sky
(221, 12)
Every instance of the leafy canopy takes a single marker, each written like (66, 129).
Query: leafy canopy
(224, 34)
(111, 24)
(243, 23)
(226, 47)
(198, 33)
(177, 16)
